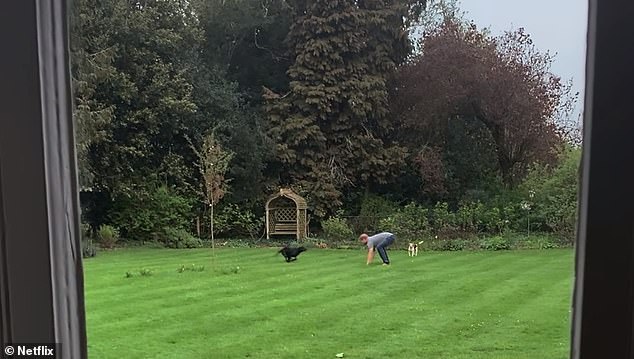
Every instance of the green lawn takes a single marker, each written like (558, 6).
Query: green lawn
(512, 304)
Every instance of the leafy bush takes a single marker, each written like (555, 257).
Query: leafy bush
(144, 214)
(538, 241)
(469, 216)
(554, 194)
(231, 220)
(337, 230)
(107, 236)
(315, 242)
(374, 208)
(409, 222)
(179, 238)
(449, 245)
(496, 243)
(442, 218)
(544, 243)
(494, 220)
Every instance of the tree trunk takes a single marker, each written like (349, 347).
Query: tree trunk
(213, 243)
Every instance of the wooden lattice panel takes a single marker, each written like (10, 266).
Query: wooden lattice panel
(285, 214)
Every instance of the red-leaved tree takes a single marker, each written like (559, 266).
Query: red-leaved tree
(504, 82)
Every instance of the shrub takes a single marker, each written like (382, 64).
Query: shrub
(495, 243)
(179, 238)
(108, 236)
(494, 220)
(449, 244)
(314, 242)
(231, 220)
(469, 216)
(554, 190)
(337, 230)
(544, 243)
(144, 214)
(539, 241)
(442, 218)
(374, 208)
(409, 222)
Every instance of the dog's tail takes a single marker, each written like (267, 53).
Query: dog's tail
(280, 251)
(421, 242)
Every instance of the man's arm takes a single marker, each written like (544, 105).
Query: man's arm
(370, 255)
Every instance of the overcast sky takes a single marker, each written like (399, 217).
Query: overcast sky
(559, 26)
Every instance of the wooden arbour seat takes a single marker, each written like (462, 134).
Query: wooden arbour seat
(285, 228)
(286, 214)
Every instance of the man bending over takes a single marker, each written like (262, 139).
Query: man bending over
(378, 242)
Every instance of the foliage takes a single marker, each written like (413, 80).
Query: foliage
(331, 128)
(179, 238)
(441, 218)
(247, 39)
(410, 223)
(107, 236)
(541, 242)
(213, 164)
(476, 217)
(153, 47)
(495, 243)
(143, 272)
(468, 216)
(555, 190)
(92, 67)
(141, 91)
(192, 268)
(337, 229)
(504, 83)
(146, 214)
(373, 209)
(451, 245)
(329, 97)
(233, 221)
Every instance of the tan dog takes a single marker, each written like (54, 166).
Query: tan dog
(412, 249)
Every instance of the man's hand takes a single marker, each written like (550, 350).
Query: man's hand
(370, 256)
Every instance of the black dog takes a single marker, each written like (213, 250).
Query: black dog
(290, 254)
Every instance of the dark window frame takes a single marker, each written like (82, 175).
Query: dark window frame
(41, 279)
(603, 299)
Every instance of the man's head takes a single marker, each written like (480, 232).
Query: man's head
(363, 238)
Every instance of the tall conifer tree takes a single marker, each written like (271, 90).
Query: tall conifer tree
(332, 129)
